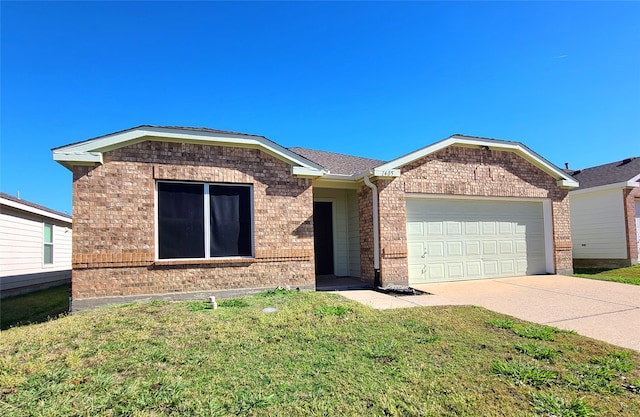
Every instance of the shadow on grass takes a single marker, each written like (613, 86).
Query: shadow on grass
(35, 307)
(590, 271)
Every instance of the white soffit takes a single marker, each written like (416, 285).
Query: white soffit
(562, 178)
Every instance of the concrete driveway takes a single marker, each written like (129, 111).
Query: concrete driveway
(606, 311)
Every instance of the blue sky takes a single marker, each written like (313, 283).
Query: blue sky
(372, 79)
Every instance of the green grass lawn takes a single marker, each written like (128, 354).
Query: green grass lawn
(630, 275)
(317, 355)
(34, 307)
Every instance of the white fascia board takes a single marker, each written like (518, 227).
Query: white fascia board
(33, 210)
(564, 183)
(93, 157)
(306, 172)
(515, 147)
(118, 140)
(605, 187)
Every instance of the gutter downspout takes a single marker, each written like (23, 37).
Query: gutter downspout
(376, 232)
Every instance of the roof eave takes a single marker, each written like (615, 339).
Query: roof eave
(34, 210)
(84, 152)
(564, 180)
(619, 185)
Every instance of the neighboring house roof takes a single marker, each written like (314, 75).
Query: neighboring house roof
(338, 163)
(622, 173)
(29, 207)
(90, 151)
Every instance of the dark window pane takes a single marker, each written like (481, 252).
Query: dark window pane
(230, 220)
(180, 220)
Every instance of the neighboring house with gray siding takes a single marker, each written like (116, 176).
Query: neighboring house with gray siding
(35, 246)
(605, 215)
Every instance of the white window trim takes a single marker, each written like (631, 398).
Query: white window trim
(207, 224)
(45, 243)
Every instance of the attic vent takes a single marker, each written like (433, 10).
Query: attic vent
(626, 161)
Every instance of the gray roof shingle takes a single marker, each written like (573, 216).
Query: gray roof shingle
(338, 163)
(611, 173)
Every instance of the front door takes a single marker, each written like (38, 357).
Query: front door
(323, 237)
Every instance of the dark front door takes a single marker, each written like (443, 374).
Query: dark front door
(323, 237)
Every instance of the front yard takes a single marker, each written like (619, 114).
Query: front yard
(630, 275)
(317, 355)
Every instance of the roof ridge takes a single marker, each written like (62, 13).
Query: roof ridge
(188, 128)
(335, 153)
(629, 159)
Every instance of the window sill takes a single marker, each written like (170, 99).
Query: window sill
(210, 261)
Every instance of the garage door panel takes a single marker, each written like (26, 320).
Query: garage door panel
(455, 270)
(507, 267)
(435, 229)
(454, 249)
(472, 248)
(506, 247)
(417, 274)
(472, 228)
(415, 249)
(504, 228)
(521, 267)
(415, 229)
(472, 239)
(488, 228)
(454, 229)
(489, 247)
(490, 268)
(474, 269)
(435, 250)
(435, 272)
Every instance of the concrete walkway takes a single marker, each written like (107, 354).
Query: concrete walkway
(606, 311)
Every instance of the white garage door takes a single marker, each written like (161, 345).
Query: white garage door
(451, 240)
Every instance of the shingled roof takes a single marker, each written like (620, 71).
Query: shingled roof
(612, 173)
(33, 205)
(338, 163)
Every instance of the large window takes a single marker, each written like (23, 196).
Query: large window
(48, 244)
(204, 220)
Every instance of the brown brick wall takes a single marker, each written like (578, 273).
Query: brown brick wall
(630, 196)
(113, 211)
(365, 211)
(470, 172)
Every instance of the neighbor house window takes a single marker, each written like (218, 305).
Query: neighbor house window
(48, 244)
(204, 220)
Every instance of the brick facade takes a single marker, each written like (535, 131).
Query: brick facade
(114, 242)
(365, 212)
(460, 171)
(114, 215)
(631, 195)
